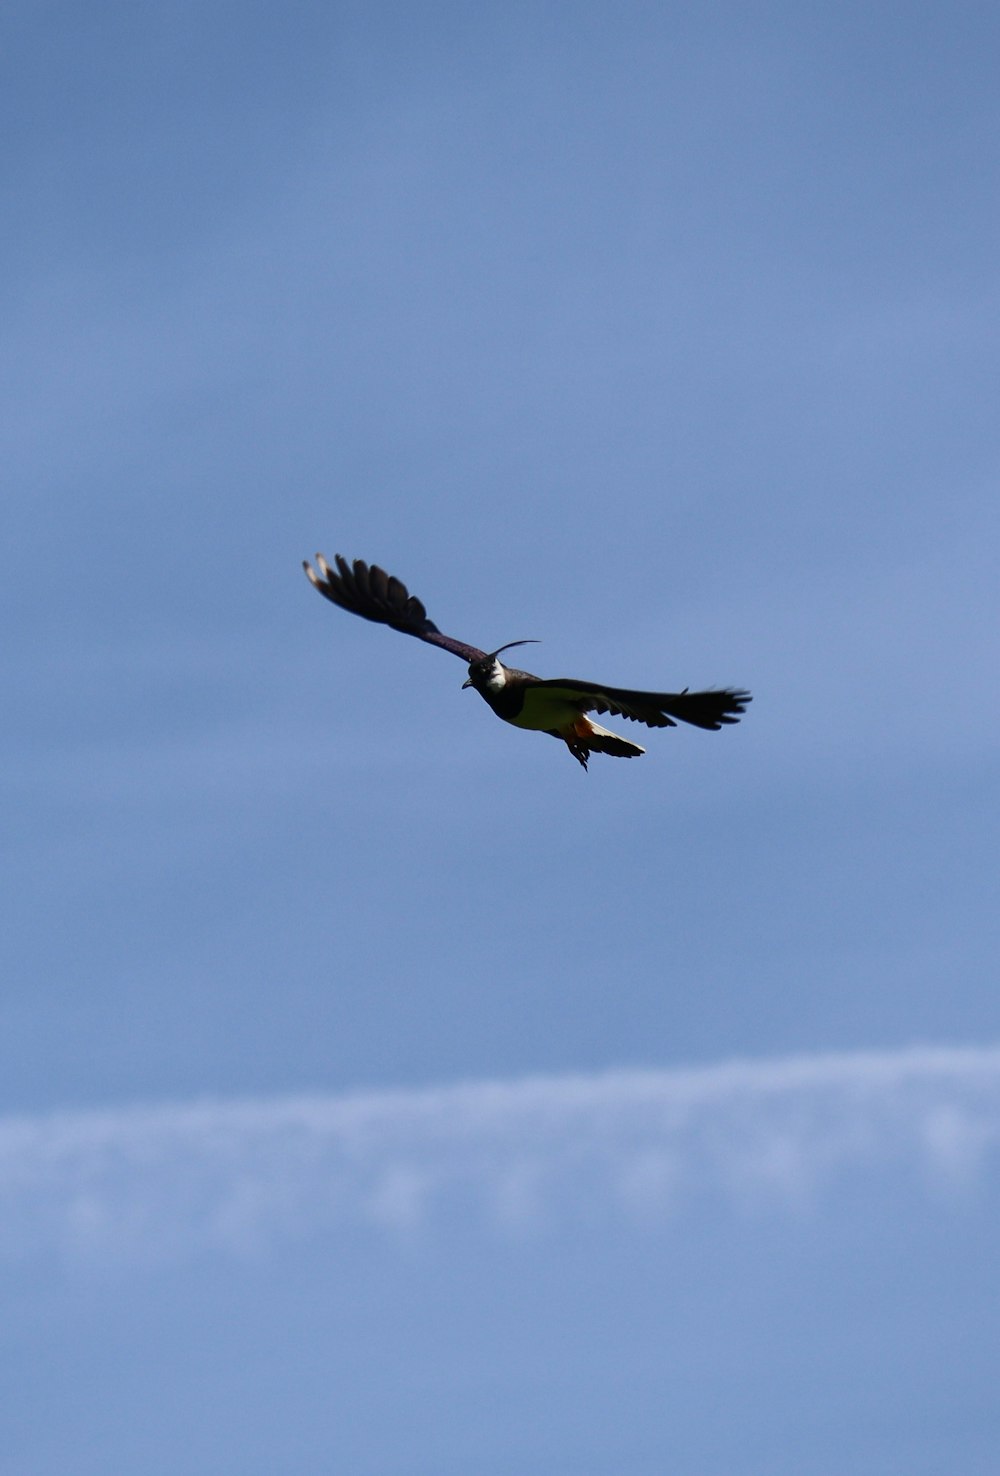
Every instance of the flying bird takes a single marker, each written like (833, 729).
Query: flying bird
(558, 707)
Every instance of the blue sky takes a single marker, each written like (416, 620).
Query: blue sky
(667, 336)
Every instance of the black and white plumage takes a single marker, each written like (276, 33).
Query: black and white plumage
(558, 707)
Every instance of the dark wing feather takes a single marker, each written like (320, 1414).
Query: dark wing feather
(658, 709)
(370, 592)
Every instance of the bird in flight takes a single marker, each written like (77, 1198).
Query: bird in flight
(558, 707)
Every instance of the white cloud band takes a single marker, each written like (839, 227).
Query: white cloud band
(648, 1144)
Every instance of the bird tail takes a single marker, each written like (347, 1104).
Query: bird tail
(601, 740)
(587, 737)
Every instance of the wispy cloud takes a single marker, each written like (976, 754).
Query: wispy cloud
(631, 1145)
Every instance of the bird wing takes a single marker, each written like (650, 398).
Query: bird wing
(710, 709)
(370, 592)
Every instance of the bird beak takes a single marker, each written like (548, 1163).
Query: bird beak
(467, 684)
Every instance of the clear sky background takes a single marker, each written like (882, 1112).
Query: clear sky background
(366, 1068)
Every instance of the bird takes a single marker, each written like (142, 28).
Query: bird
(559, 706)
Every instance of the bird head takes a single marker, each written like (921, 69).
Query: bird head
(487, 674)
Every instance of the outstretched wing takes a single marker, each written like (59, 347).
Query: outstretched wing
(656, 709)
(370, 592)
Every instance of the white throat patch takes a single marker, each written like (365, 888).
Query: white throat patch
(495, 679)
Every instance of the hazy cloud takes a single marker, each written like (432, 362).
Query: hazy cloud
(517, 1156)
